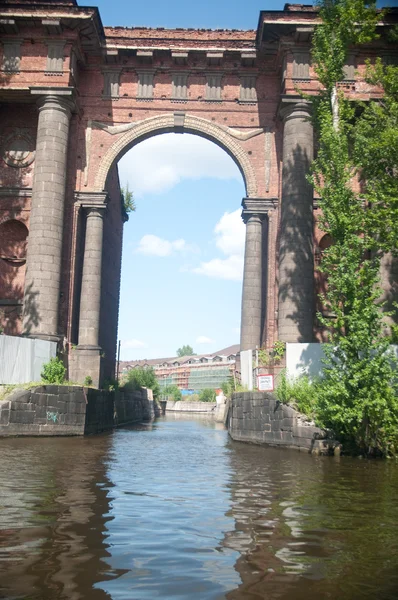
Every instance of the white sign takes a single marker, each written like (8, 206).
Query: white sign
(265, 383)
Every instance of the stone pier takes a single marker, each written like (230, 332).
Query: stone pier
(296, 258)
(43, 264)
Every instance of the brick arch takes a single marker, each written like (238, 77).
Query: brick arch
(165, 124)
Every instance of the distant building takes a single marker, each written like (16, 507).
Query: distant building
(190, 373)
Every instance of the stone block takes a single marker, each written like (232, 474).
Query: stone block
(41, 399)
(61, 406)
(18, 405)
(288, 412)
(288, 423)
(4, 416)
(51, 389)
(303, 442)
(41, 412)
(20, 395)
(287, 437)
(309, 432)
(21, 416)
(276, 425)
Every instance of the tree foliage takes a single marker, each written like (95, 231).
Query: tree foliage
(53, 372)
(207, 395)
(139, 377)
(358, 394)
(172, 390)
(186, 351)
(128, 201)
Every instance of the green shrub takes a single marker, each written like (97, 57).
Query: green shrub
(88, 380)
(207, 395)
(140, 377)
(110, 385)
(53, 371)
(231, 385)
(300, 393)
(172, 390)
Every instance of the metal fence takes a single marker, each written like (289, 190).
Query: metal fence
(22, 359)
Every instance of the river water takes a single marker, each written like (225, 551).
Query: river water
(176, 510)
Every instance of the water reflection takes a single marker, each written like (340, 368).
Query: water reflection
(54, 511)
(311, 527)
(176, 510)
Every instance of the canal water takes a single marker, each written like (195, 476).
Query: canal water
(176, 510)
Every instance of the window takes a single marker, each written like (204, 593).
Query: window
(301, 65)
(11, 57)
(145, 85)
(248, 89)
(213, 87)
(180, 89)
(111, 84)
(349, 68)
(55, 58)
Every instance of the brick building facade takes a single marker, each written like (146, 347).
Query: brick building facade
(76, 96)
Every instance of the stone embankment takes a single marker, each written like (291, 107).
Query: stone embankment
(211, 409)
(51, 410)
(259, 418)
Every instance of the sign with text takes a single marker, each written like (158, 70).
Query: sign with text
(265, 383)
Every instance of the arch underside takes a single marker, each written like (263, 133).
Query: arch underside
(166, 124)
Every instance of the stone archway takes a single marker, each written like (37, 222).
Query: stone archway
(224, 137)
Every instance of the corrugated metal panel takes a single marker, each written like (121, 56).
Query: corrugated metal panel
(21, 359)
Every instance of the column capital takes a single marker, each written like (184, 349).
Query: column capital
(91, 200)
(293, 107)
(61, 98)
(259, 207)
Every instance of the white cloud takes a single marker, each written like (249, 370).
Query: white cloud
(152, 245)
(230, 231)
(230, 239)
(202, 339)
(222, 268)
(158, 164)
(129, 344)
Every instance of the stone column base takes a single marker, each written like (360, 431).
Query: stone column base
(85, 361)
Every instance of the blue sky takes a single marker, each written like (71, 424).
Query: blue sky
(183, 248)
(213, 14)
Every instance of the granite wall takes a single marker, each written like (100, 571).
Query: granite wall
(259, 418)
(51, 410)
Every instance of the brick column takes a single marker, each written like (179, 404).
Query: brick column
(296, 259)
(255, 211)
(86, 358)
(43, 262)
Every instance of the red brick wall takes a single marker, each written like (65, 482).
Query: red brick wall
(95, 49)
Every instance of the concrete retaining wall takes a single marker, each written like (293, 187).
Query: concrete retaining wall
(197, 407)
(259, 418)
(211, 409)
(51, 410)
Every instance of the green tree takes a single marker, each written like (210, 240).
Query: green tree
(140, 377)
(358, 394)
(185, 351)
(172, 390)
(128, 202)
(207, 395)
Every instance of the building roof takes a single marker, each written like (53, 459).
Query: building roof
(151, 362)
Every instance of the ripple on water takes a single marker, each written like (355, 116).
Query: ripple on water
(176, 510)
